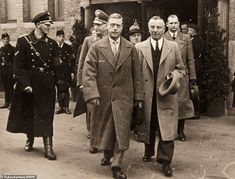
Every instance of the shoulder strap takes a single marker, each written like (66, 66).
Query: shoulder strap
(27, 38)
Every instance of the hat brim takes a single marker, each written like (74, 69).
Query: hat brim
(169, 86)
(194, 92)
(50, 21)
(134, 31)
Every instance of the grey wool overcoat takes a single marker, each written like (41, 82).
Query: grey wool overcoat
(116, 82)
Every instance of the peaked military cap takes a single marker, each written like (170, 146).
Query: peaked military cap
(42, 17)
(100, 17)
(5, 35)
(59, 32)
(134, 28)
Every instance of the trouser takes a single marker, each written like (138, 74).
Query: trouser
(196, 105)
(88, 119)
(116, 154)
(63, 99)
(181, 125)
(165, 149)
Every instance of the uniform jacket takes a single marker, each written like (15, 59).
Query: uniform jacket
(88, 41)
(116, 81)
(33, 111)
(64, 67)
(186, 109)
(167, 107)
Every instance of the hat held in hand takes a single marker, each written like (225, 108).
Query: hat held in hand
(170, 85)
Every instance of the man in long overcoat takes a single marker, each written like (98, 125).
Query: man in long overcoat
(32, 109)
(111, 84)
(100, 27)
(186, 109)
(159, 57)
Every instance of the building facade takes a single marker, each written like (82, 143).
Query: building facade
(15, 15)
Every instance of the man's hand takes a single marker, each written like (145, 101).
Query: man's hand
(28, 89)
(95, 102)
(192, 82)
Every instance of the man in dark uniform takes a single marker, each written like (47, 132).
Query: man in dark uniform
(64, 73)
(33, 103)
(100, 26)
(6, 68)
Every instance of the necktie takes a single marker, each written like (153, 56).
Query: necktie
(174, 37)
(156, 46)
(115, 48)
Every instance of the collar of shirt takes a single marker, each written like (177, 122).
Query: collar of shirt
(111, 41)
(173, 34)
(60, 45)
(153, 42)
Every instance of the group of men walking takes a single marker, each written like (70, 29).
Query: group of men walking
(115, 76)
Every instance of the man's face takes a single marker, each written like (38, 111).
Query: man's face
(190, 31)
(115, 28)
(5, 41)
(184, 28)
(60, 39)
(173, 24)
(100, 28)
(45, 27)
(156, 28)
(135, 38)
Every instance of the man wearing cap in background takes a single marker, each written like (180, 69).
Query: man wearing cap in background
(64, 73)
(135, 33)
(33, 103)
(160, 58)
(100, 26)
(6, 68)
(186, 109)
(198, 45)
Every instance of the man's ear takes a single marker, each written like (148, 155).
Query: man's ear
(37, 24)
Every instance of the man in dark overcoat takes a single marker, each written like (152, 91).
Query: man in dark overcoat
(100, 28)
(33, 103)
(6, 68)
(111, 84)
(186, 109)
(64, 72)
(159, 57)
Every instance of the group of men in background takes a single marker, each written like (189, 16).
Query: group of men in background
(115, 76)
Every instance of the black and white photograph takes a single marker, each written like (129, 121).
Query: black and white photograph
(101, 89)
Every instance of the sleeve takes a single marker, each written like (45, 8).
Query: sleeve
(81, 61)
(190, 59)
(89, 79)
(21, 73)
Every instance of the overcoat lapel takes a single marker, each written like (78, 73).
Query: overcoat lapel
(165, 50)
(148, 54)
(125, 50)
(106, 50)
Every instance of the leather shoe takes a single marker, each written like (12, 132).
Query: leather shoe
(29, 145)
(93, 150)
(67, 111)
(117, 173)
(167, 170)
(105, 161)
(60, 111)
(182, 136)
(147, 158)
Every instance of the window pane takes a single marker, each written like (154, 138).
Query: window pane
(11, 10)
(34, 7)
(61, 10)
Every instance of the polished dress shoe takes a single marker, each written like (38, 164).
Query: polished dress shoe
(60, 111)
(105, 161)
(117, 173)
(67, 111)
(147, 158)
(167, 170)
(93, 150)
(29, 145)
(181, 136)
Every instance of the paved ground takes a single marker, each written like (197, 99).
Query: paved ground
(208, 153)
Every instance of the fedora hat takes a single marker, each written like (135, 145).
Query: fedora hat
(194, 92)
(170, 85)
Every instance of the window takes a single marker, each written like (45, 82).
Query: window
(34, 7)
(11, 10)
(59, 10)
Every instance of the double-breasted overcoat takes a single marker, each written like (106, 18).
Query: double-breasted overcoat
(116, 82)
(167, 106)
(186, 109)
